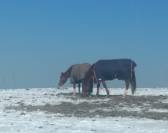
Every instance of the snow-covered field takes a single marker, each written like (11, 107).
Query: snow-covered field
(38, 110)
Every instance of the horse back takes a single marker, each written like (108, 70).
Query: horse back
(111, 69)
(79, 71)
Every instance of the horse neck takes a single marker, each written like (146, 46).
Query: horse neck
(68, 72)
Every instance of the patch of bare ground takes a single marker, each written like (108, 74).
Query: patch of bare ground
(103, 106)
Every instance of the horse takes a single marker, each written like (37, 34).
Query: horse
(76, 73)
(102, 70)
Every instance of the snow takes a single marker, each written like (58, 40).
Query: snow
(158, 110)
(139, 91)
(38, 122)
(13, 121)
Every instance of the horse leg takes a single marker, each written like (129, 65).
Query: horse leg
(79, 86)
(133, 83)
(105, 86)
(74, 89)
(98, 87)
(126, 87)
(84, 88)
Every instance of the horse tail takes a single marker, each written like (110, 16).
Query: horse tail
(90, 86)
(88, 81)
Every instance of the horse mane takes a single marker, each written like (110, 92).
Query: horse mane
(68, 71)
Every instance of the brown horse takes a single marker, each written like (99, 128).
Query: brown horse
(102, 70)
(76, 73)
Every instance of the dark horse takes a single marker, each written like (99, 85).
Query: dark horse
(76, 73)
(102, 70)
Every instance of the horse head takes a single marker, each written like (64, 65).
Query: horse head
(63, 79)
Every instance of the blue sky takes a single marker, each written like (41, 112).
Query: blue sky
(39, 38)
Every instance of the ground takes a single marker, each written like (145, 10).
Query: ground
(53, 110)
(103, 106)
